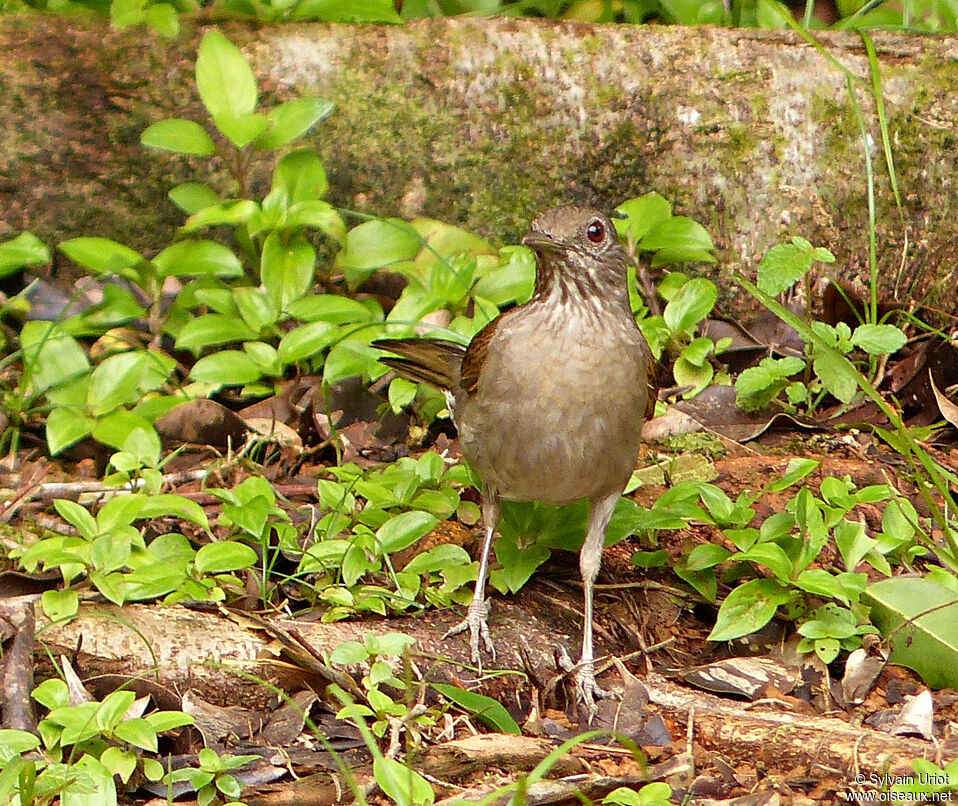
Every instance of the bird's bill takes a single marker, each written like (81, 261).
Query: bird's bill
(541, 242)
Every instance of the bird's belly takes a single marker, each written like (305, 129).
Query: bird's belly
(555, 436)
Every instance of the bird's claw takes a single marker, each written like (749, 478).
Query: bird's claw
(478, 626)
(587, 690)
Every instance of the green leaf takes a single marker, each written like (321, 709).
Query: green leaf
(772, 556)
(317, 214)
(756, 387)
(402, 784)
(137, 732)
(293, 119)
(380, 11)
(486, 709)
(24, 250)
(518, 564)
(306, 340)
(377, 243)
(333, 308)
(115, 381)
(218, 558)
(235, 211)
(676, 232)
(404, 530)
(240, 130)
(211, 329)
(690, 305)
(191, 197)
(748, 608)
(255, 308)
(169, 504)
(836, 374)
(299, 176)
(641, 215)
(179, 136)
(688, 374)
(919, 618)
(287, 268)
(66, 426)
(115, 429)
(223, 77)
(348, 653)
(706, 555)
(227, 368)
(50, 356)
(878, 339)
(59, 605)
(438, 558)
(782, 266)
(348, 359)
(198, 258)
(101, 255)
(164, 19)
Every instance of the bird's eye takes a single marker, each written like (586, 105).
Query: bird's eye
(595, 232)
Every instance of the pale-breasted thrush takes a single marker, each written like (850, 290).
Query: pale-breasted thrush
(549, 398)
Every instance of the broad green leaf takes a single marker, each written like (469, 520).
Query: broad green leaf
(378, 243)
(690, 305)
(218, 558)
(227, 368)
(101, 255)
(378, 11)
(78, 517)
(241, 130)
(234, 211)
(706, 555)
(348, 359)
(332, 308)
(179, 136)
(24, 250)
(404, 530)
(641, 215)
(306, 340)
(518, 564)
(348, 653)
(317, 214)
(200, 257)
(223, 77)
(211, 329)
(878, 339)
(287, 268)
(919, 619)
(836, 375)
(487, 710)
(163, 18)
(116, 427)
(782, 266)
(191, 197)
(256, 308)
(772, 556)
(293, 119)
(402, 784)
(66, 426)
(115, 381)
(445, 555)
(299, 177)
(137, 732)
(748, 608)
(169, 504)
(676, 232)
(50, 356)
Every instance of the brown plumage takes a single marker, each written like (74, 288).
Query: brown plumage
(549, 398)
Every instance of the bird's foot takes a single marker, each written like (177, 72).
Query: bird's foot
(587, 691)
(476, 622)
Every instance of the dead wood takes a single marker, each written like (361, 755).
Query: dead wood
(485, 122)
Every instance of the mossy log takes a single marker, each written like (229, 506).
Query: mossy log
(484, 122)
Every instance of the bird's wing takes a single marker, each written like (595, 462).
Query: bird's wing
(432, 361)
(476, 356)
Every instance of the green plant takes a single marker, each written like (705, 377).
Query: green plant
(649, 228)
(781, 267)
(212, 778)
(654, 794)
(83, 749)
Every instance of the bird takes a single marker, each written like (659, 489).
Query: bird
(549, 399)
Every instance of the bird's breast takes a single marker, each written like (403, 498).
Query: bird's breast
(558, 407)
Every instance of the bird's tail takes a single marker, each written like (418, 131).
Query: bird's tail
(431, 361)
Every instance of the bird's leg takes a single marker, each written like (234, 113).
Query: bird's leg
(590, 558)
(478, 612)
